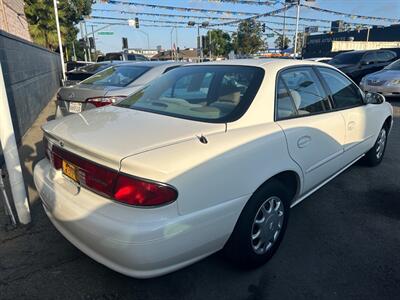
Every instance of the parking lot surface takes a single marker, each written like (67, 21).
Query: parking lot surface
(343, 242)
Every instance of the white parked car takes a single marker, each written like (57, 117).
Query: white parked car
(207, 157)
(320, 59)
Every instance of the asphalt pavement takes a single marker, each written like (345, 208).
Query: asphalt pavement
(343, 242)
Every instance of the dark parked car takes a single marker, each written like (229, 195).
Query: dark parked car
(82, 73)
(357, 64)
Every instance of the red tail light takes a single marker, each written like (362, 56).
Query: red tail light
(135, 191)
(103, 101)
(112, 184)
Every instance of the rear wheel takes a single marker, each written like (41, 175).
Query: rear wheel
(374, 156)
(261, 226)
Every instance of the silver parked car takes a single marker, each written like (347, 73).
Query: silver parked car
(385, 82)
(109, 86)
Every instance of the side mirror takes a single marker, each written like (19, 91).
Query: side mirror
(374, 98)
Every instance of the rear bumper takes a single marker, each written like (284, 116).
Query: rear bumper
(136, 242)
(388, 91)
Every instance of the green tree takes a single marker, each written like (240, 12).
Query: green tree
(219, 42)
(42, 24)
(280, 44)
(248, 38)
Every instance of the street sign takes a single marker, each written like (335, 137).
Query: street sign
(270, 35)
(105, 33)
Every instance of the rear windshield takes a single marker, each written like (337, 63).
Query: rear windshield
(93, 68)
(395, 66)
(116, 76)
(347, 58)
(204, 93)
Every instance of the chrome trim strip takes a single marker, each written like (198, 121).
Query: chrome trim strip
(325, 182)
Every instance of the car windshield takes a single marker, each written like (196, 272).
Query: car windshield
(395, 66)
(203, 93)
(346, 58)
(116, 76)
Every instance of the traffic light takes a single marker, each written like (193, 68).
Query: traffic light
(82, 43)
(136, 22)
(263, 27)
(125, 43)
(91, 43)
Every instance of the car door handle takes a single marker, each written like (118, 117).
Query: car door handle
(351, 125)
(303, 141)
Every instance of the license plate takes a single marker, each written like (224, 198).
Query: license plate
(75, 107)
(69, 170)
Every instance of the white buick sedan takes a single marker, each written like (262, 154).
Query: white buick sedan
(207, 157)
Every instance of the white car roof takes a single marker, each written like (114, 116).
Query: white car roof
(264, 63)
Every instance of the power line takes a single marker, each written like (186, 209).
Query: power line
(192, 17)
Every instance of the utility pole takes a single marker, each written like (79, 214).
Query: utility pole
(297, 28)
(84, 48)
(94, 42)
(284, 28)
(86, 41)
(172, 54)
(176, 43)
(210, 44)
(59, 40)
(74, 51)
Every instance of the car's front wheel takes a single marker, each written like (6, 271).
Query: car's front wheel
(260, 227)
(375, 155)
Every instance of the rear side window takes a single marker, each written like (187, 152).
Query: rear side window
(345, 94)
(284, 101)
(306, 90)
(385, 56)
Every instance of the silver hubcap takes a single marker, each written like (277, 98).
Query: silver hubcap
(381, 143)
(267, 225)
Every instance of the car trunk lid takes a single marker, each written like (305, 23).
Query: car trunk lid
(109, 134)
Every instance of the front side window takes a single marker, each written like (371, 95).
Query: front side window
(306, 90)
(370, 57)
(116, 76)
(345, 94)
(204, 93)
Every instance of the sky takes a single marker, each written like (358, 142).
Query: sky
(186, 37)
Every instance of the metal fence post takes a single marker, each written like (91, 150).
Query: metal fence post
(10, 152)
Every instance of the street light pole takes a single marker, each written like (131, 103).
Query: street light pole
(86, 41)
(297, 28)
(84, 48)
(59, 40)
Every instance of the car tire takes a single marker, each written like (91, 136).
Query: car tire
(265, 214)
(375, 155)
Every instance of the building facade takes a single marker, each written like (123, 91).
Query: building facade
(12, 18)
(320, 45)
